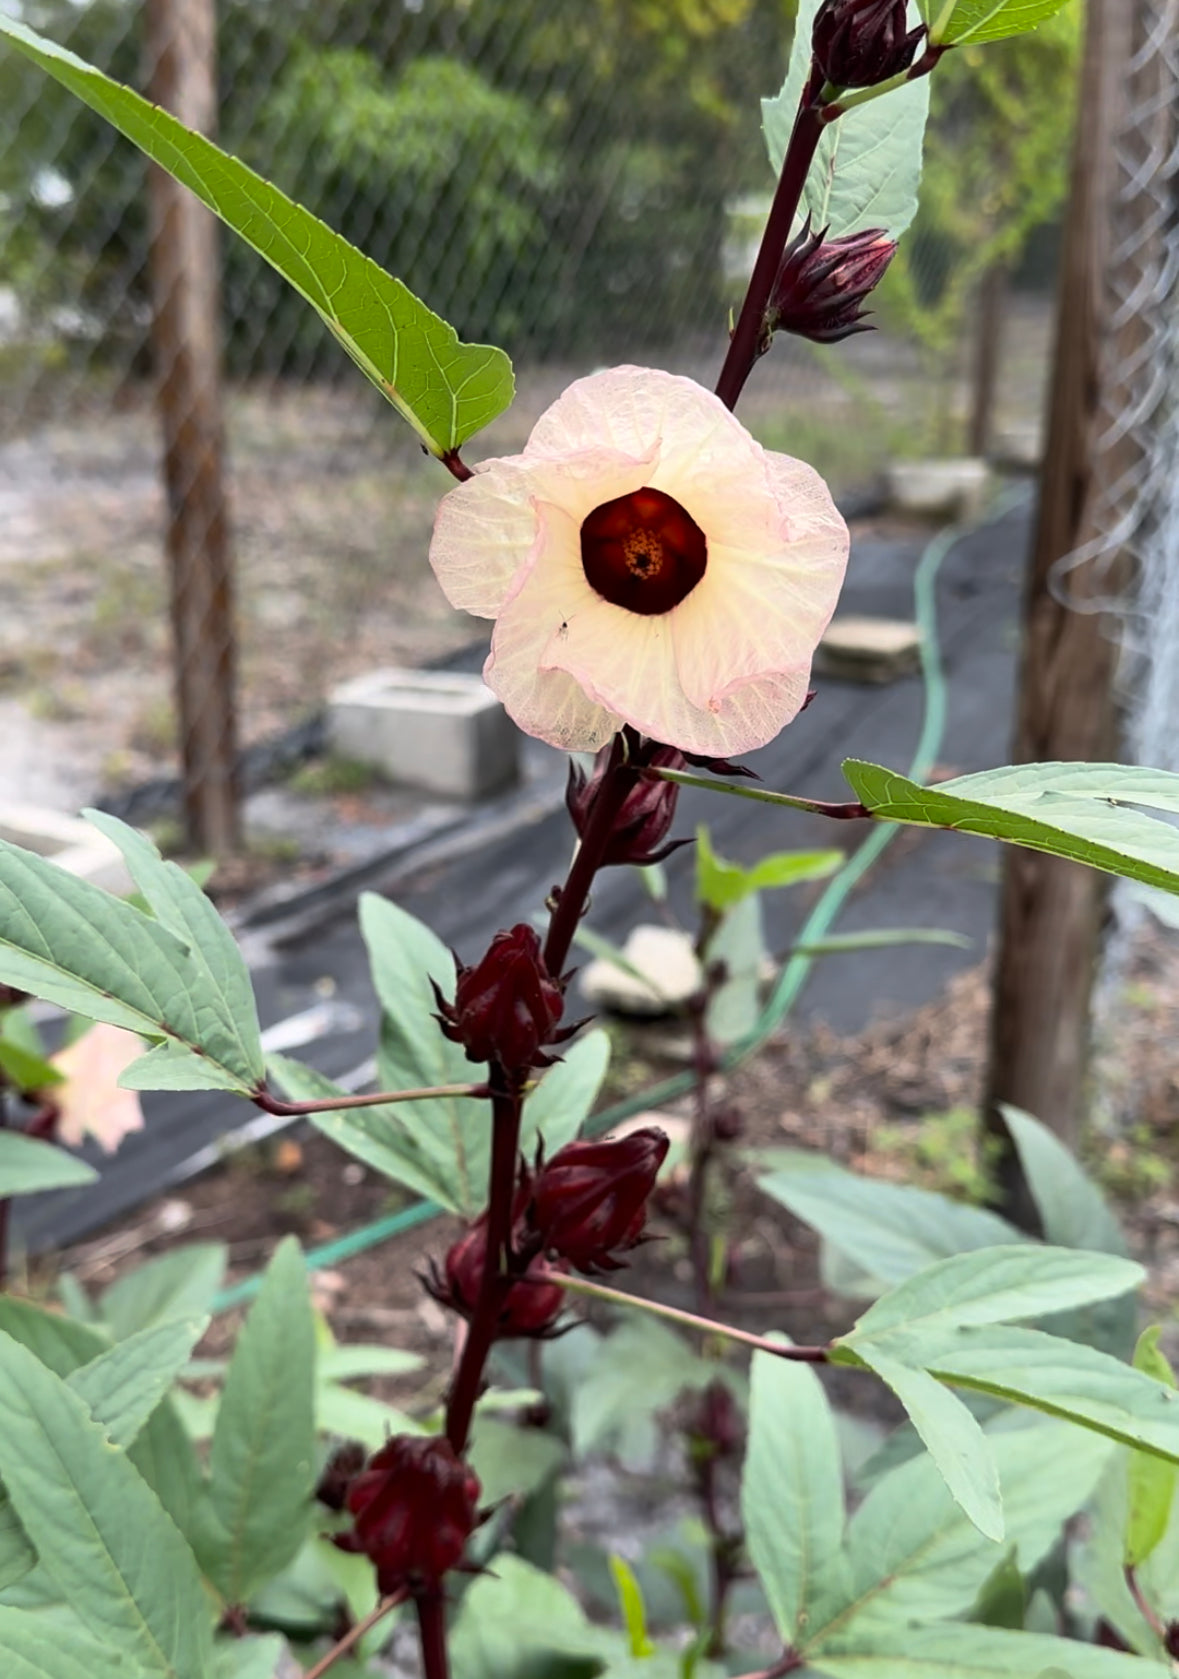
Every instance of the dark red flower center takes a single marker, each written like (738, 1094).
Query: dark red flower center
(643, 551)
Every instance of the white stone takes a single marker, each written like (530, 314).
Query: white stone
(869, 649)
(933, 488)
(666, 973)
(69, 842)
(442, 731)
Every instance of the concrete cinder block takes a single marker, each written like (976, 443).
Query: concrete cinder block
(442, 731)
(869, 649)
(69, 842)
(951, 488)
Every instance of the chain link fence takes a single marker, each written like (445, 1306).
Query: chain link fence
(580, 181)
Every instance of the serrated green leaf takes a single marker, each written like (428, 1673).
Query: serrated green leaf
(994, 1285)
(175, 1284)
(100, 1533)
(963, 22)
(250, 1658)
(512, 1462)
(446, 390)
(1073, 1212)
(739, 942)
(720, 883)
(957, 1445)
(347, 1362)
(914, 1554)
(890, 1231)
(73, 944)
(1090, 813)
(975, 1652)
(522, 1620)
(792, 1495)
(262, 1459)
(868, 165)
(563, 1100)
(179, 904)
(123, 1386)
(1151, 1483)
(24, 1071)
(29, 1654)
(28, 1166)
(60, 1343)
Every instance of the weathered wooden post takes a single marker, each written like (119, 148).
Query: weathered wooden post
(181, 58)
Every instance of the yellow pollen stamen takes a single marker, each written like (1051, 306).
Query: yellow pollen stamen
(644, 553)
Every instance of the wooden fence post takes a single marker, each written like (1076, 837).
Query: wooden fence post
(181, 58)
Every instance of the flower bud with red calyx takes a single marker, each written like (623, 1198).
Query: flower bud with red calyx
(413, 1510)
(861, 43)
(647, 812)
(590, 1199)
(508, 1006)
(822, 283)
(531, 1306)
(713, 1422)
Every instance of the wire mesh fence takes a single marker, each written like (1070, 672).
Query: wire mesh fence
(580, 182)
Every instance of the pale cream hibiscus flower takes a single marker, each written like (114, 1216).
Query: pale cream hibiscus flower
(646, 562)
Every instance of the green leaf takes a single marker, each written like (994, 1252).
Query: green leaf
(739, 942)
(994, 1285)
(520, 1623)
(955, 1442)
(346, 1363)
(512, 1462)
(262, 1459)
(637, 1370)
(27, 1072)
(1091, 813)
(562, 1101)
(1003, 1598)
(792, 1494)
(720, 883)
(868, 165)
(75, 945)
(58, 1342)
(30, 1654)
(164, 1456)
(452, 1136)
(974, 1652)
(179, 904)
(961, 22)
(630, 1601)
(1062, 1378)
(914, 1554)
(1073, 1212)
(1151, 1490)
(250, 1658)
(446, 390)
(28, 1166)
(101, 1534)
(176, 1284)
(122, 1386)
(891, 1231)
(881, 938)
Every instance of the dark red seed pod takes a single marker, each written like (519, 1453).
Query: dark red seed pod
(590, 1200)
(506, 1007)
(823, 282)
(531, 1307)
(861, 43)
(339, 1472)
(413, 1509)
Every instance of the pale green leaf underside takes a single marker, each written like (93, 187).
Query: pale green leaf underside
(868, 165)
(73, 944)
(976, 1652)
(30, 1654)
(1091, 813)
(28, 1165)
(446, 390)
(988, 20)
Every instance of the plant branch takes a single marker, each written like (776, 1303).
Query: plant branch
(1146, 1609)
(863, 95)
(431, 1610)
(353, 1636)
(849, 812)
(456, 466)
(377, 1099)
(693, 1320)
(746, 343)
(573, 897)
(507, 1102)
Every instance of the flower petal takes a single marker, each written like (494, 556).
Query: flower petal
(484, 533)
(541, 698)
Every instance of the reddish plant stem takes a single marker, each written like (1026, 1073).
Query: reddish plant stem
(701, 1148)
(431, 1608)
(354, 1634)
(375, 1099)
(746, 342)
(506, 1105)
(722, 1550)
(693, 1320)
(1145, 1608)
(456, 466)
(574, 895)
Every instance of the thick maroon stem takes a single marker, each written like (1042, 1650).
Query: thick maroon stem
(746, 342)
(506, 1105)
(431, 1608)
(574, 895)
(701, 1147)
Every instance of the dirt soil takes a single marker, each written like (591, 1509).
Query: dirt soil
(897, 1102)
